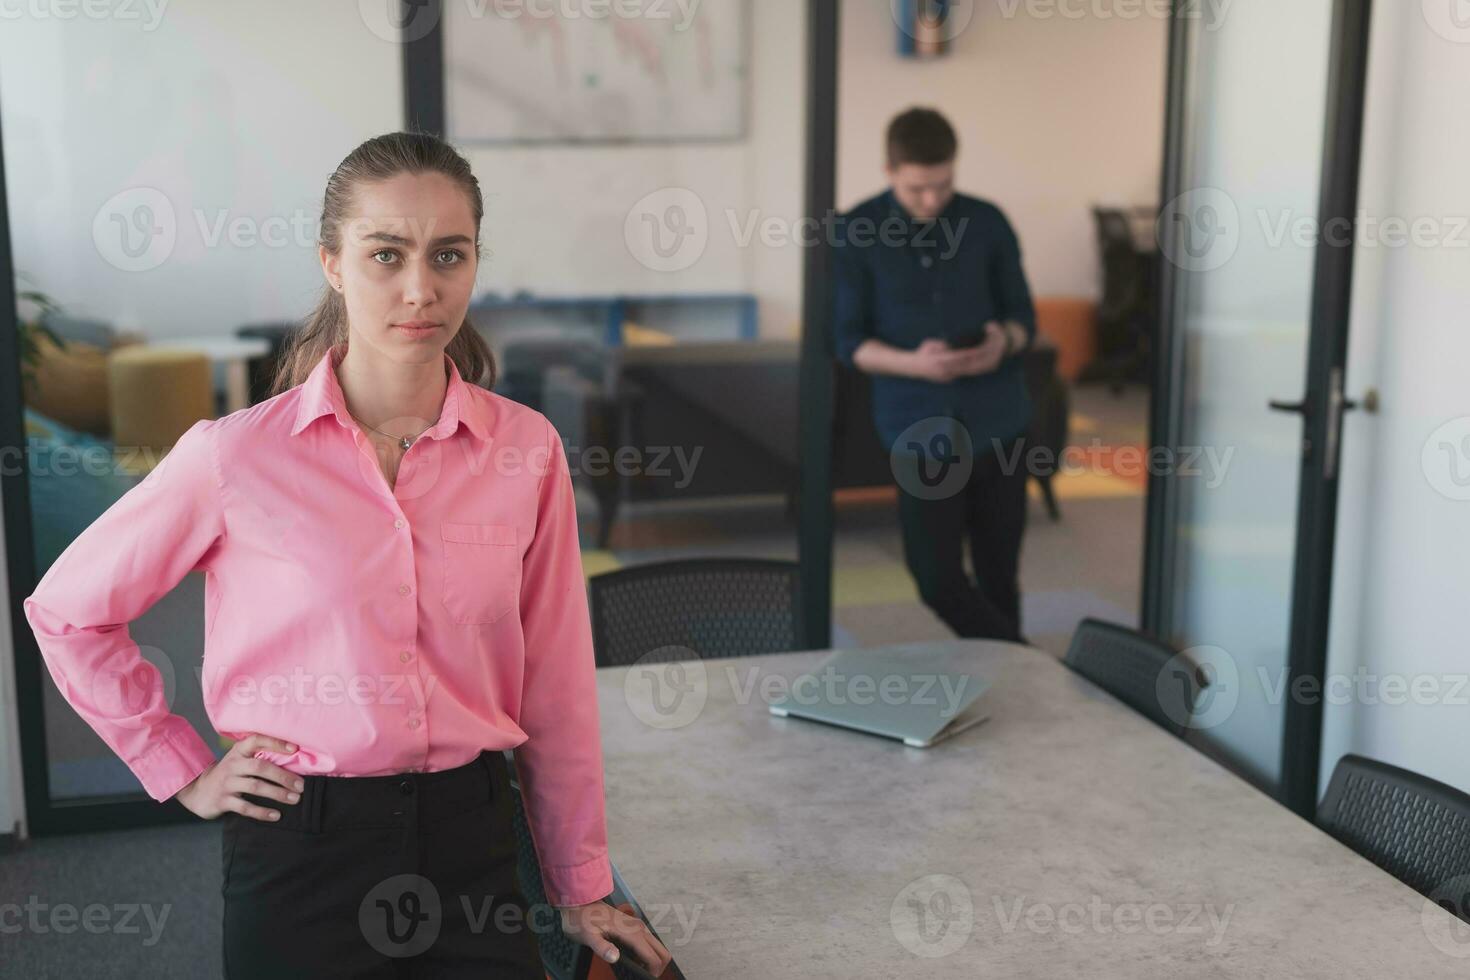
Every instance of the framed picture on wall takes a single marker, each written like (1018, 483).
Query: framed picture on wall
(650, 71)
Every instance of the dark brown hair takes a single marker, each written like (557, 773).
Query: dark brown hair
(381, 158)
(921, 136)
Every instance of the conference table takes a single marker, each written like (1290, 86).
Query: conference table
(1064, 836)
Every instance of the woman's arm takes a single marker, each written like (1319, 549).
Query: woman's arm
(126, 560)
(560, 764)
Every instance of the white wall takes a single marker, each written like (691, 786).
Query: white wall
(245, 109)
(1055, 114)
(1402, 574)
(240, 109)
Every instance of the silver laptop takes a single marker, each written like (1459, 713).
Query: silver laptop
(919, 693)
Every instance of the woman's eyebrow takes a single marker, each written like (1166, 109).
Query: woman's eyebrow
(391, 239)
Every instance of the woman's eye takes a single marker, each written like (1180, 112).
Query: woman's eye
(457, 256)
(384, 251)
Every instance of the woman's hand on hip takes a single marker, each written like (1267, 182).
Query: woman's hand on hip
(605, 927)
(217, 789)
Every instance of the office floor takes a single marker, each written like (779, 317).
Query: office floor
(1089, 563)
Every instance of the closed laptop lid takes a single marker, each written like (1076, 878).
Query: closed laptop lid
(908, 691)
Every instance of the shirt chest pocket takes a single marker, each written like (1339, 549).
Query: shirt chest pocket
(482, 571)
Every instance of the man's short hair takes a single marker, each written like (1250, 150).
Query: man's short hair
(921, 136)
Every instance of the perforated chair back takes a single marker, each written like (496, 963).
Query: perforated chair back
(1138, 670)
(700, 608)
(1413, 827)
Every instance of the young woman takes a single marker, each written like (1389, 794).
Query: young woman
(394, 595)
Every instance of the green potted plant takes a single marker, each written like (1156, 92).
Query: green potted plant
(31, 328)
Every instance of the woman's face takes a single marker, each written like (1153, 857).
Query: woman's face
(407, 265)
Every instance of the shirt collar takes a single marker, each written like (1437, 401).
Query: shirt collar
(321, 394)
(896, 210)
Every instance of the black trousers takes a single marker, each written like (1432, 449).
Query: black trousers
(410, 875)
(938, 516)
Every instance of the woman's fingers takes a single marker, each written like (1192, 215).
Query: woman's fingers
(245, 808)
(240, 783)
(255, 741)
(259, 777)
(633, 934)
(272, 773)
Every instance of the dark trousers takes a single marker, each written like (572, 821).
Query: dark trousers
(988, 509)
(411, 875)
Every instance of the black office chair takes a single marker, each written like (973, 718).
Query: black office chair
(1050, 416)
(1131, 666)
(1125, 314)
(564, 958)
(1411, 826)
(698, 607)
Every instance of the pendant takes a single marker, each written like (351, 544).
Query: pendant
(403, 441)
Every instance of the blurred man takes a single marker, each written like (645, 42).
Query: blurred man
(932, 303)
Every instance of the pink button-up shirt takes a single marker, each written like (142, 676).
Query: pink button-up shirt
(380, 630)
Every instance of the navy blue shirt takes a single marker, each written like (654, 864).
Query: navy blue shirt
(903, 281)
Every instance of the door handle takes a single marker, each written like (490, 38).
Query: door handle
(1337, 404)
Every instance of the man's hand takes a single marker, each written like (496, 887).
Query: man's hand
(598, 924)
(934, 360)
(217, 789)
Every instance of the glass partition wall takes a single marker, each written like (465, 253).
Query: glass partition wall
(641, 284)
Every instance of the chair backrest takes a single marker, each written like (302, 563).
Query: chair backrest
(1411, 826)
(1138, 670)
(699, 607)
(1122, 268)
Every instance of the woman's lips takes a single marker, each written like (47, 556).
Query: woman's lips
(416, 329)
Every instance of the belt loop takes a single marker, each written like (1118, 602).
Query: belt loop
(316, 788)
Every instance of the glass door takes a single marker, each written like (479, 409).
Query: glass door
(1261, 175)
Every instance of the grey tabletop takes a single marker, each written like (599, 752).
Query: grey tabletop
(1065, 836)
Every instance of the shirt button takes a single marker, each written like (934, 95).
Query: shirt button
(403, 590)
(399, 523)
(413, 723)
(406, 787)
(405, 656)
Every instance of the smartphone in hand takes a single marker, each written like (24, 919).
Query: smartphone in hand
(971, 335)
